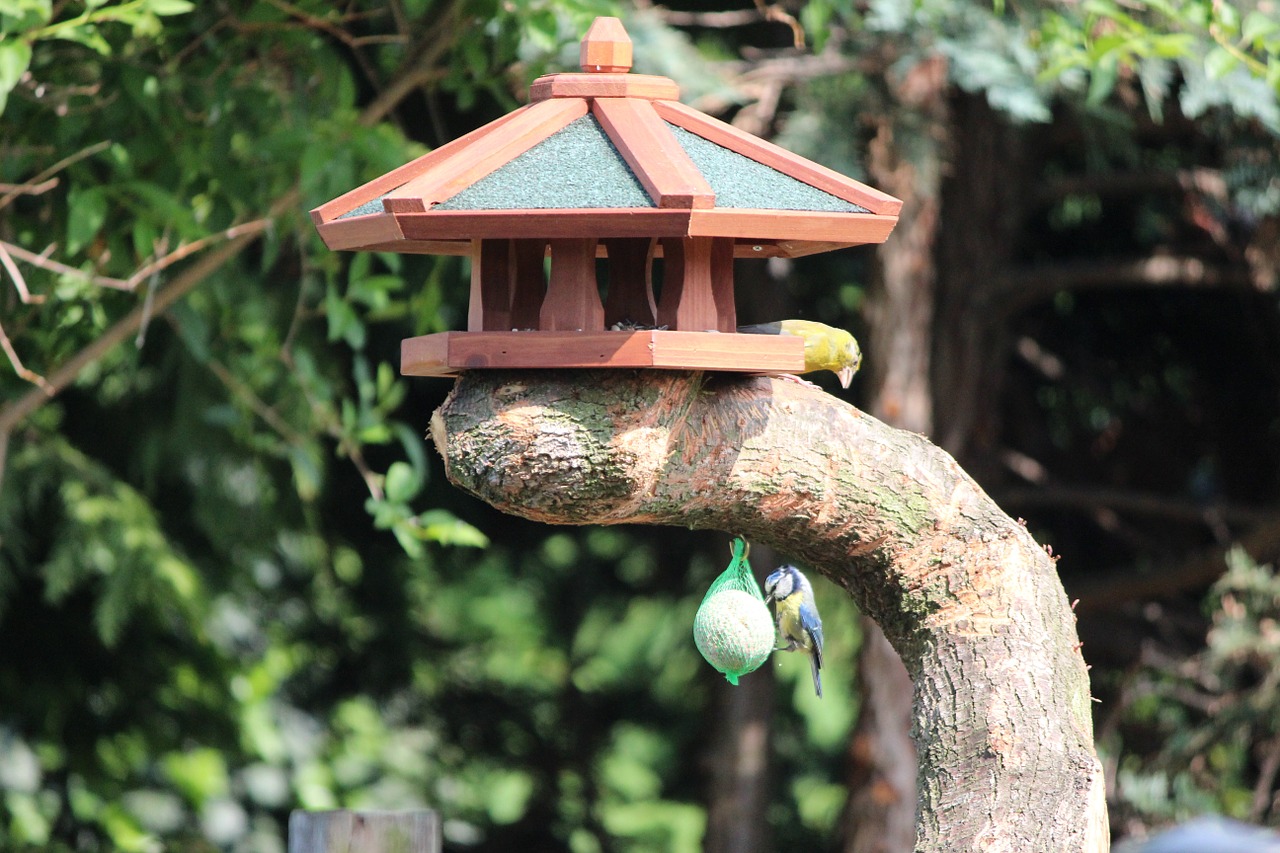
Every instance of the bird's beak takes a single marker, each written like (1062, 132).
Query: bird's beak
(768, 599)
(846, 376)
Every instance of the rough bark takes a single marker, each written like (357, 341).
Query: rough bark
(964, 594)
(904, 159)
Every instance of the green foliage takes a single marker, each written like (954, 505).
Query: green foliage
(233, 581)
(1228, 54)
(23, 23)
(1025, 57)
(1217, 714)
(250, 587)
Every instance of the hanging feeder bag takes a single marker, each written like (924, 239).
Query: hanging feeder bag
(733, 628)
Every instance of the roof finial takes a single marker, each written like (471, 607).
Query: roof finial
(606, 48)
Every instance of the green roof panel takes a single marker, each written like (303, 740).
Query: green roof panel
(741, 182)
(577, 167)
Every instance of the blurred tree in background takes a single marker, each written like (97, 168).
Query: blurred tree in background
(233, 581)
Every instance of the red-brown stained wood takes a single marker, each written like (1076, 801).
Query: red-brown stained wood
(461, 248)
(606, 47)
(427, 355)
(359, 232)
(469, 164)
(790, 233)
(800, 248)
(572, 302)
(528, 282)
(547, 224)
(490, 305)
(791, 225)
(722, 284)
(401, 175)
(449, 353)
(603, 86)
(687, 303)
(630, 297)
(778, 158)
(655, 156)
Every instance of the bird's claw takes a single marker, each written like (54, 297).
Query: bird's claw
(791, 377)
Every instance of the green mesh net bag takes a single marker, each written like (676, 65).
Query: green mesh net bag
(733, 629)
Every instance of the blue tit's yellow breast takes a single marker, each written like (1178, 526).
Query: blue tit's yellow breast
(789, 618)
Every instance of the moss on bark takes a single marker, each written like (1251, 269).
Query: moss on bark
(969, 600)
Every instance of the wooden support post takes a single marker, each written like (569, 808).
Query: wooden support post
(528, 282)
(687, 303)
(572, 302)
(364, 832)
(722, 284)
(630, 282)
(490, 306)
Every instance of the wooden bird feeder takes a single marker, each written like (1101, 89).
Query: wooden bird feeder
(606, 164)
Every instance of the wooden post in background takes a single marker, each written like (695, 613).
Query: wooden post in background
(364, 832)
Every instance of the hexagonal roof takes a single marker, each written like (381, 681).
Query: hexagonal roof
(606, 153)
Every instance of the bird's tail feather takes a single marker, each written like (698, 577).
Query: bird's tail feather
(817, 675)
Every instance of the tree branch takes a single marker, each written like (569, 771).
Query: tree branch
(48, 173)
(1110, 590)
(970, 602)
(1144, 503)
(43, 261)
(12, 413)
(1022, 287)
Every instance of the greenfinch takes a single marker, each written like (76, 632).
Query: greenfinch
(825, 347)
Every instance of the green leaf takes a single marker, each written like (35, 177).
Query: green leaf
(1102, 81)
(344, 324)
(407, 534)
(307, 471)
(438, 525)
(200, 774)
(1219, 63)
(15, 58)
(89, 36)
(169, 7)
(402, 482)
(1172, 45)
(87, 211)
(1257, 26)
(1228, 15)
(24, 15)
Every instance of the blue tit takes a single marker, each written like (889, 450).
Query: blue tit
(799, 626)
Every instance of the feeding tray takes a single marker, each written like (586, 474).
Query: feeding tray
(606, 164)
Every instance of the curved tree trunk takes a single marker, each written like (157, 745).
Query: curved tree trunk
(905, 160)
(970, 602)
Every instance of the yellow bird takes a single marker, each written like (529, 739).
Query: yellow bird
(825, 347)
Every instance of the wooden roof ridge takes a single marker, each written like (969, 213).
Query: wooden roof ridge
(484, 156)
(401, 175)
(655, 156)
(776, 157)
